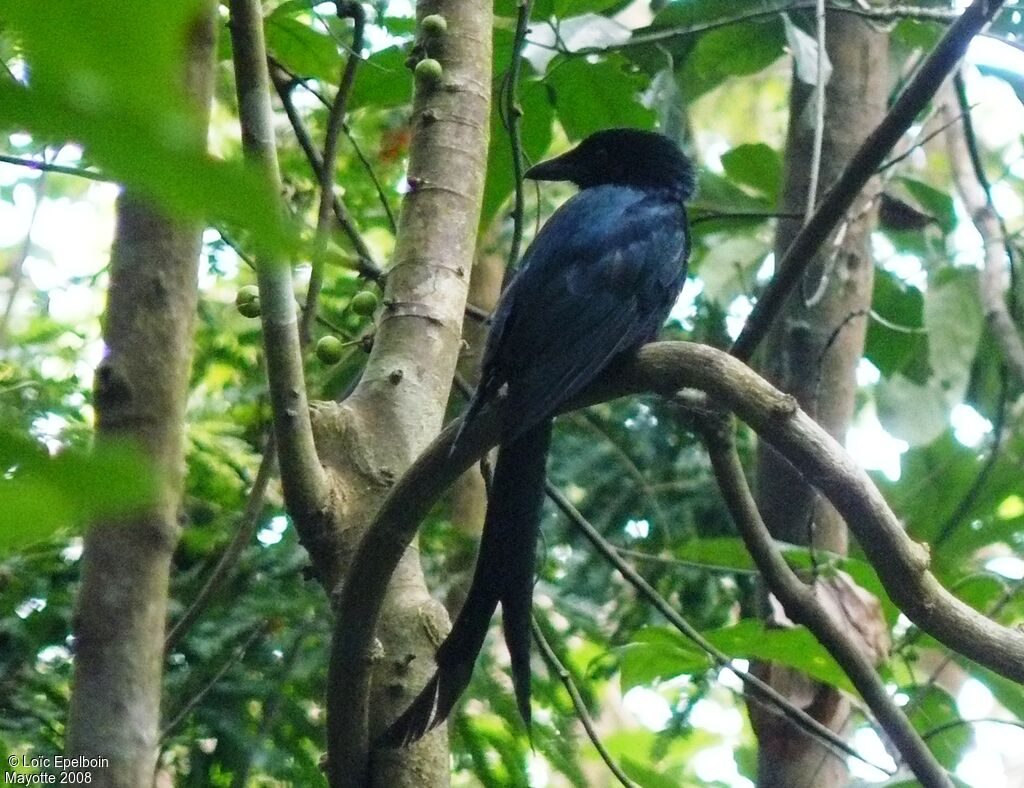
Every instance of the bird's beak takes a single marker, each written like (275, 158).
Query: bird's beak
(560, 168)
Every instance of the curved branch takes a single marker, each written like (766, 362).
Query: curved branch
(665, 368)
(759, 691)
(302, 477)
(919, 91)
(803, 607)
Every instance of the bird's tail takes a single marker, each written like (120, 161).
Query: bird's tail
(504, 573)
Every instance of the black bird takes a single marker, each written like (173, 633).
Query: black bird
(597, 282)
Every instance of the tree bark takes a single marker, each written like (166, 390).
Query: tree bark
(367, 442)
(140, 396)
(812, 352)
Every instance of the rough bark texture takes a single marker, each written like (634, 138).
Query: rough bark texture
(799, 359)
(367, 442)
(140, 396)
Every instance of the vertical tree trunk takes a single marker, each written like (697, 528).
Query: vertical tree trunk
(140, 396)
(799, 359)
(368, 441)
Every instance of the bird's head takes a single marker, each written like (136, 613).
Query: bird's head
(630, 157)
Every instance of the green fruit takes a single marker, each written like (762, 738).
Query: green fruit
(429, 71)
(247, 294)
(249, 308)
(364, 303)
(329, 349)
(434, 25)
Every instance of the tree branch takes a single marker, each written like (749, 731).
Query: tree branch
(244, 530)
(45, 166)
(765, 694)
(918, 92)
(973, 187)
(325, 174)
(398, 405)
(803, 606)
(512, 115)
(556, 667)
(365, 264)
(667, 367)
(302, 477)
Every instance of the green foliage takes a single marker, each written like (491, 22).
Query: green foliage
(632, 467)
(593, 96)
(40, 494)
(128, 106)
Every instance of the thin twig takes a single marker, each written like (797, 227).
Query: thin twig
(958, 723)
(365, 264)
(257, 632)
(335, 121)
(714, 216)
(819, 113)
(764, 693)
(889, 163)
(918, 92)
(879, 14)
(372, 175)
(43, 166)
(513, 114)
(672, 561)
(244, 531)
(555, 666)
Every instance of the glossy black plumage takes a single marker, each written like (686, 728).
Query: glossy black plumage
(597, 282)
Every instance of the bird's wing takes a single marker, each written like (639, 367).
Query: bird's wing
(598, 280)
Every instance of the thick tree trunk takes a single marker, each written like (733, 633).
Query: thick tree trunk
(806, 356)
(367, 442)
(140, 396)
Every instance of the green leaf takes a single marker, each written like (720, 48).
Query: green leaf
(563, 9)
(733, 51)
(758, 166)
(535, 134)
(794, 647)
(937, 204)
(729, 552)
(717, 194)
(659, 653)
(898, 344)
(127, 106)
(594, 96)
(382, 80)
(723, 552)
(953, 317)
(931, 708)
(729, 266)
(542, 9)
(304, 50)
(913, 412)
(40, 495)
